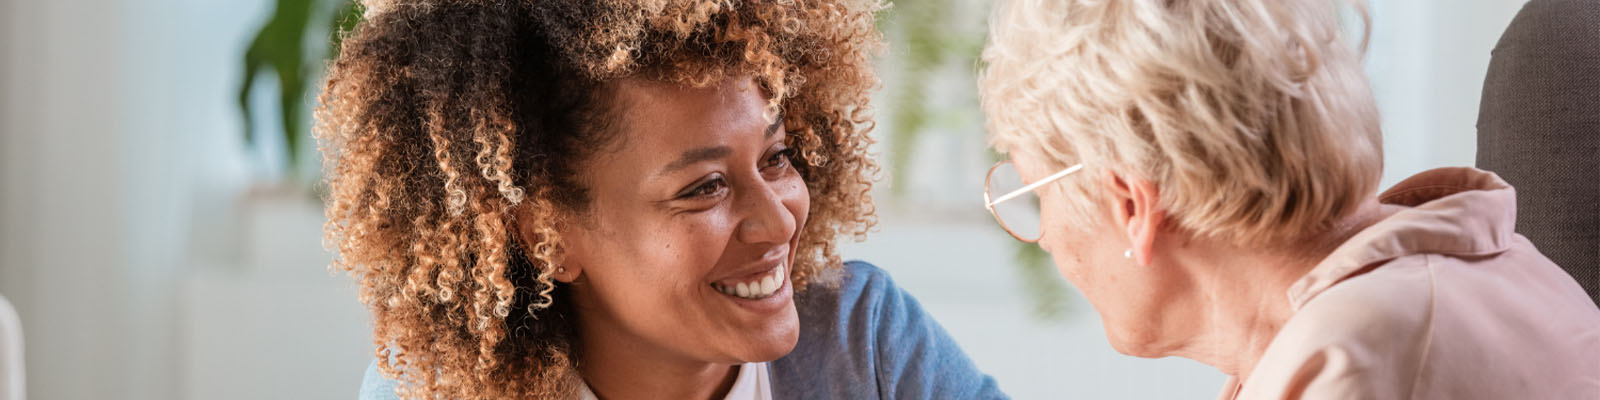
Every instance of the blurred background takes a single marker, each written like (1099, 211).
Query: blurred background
(158, 244)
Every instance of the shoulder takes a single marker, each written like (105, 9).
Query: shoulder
(861, 334)
(856, 293)
(1397, 295)
(849, 297)
(1386, 314)
(854, 282)
(376, 387)
(1370, 332)
(839, 320)
(853, 277)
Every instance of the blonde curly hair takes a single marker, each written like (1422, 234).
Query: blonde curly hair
(441, 119)
(1253, 117)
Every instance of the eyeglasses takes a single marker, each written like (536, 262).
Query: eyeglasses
(1019, 216)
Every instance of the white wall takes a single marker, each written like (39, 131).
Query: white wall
(120, 170)
(66, 252)
(1427, 62)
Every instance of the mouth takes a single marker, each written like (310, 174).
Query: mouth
(755, 286)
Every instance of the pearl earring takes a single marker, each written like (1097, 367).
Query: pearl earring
(561, 270)
(1128, 254)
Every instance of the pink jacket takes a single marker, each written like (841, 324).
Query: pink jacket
(1440, 301)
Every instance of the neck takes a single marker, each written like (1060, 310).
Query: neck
(1240, 294)
(617, 365)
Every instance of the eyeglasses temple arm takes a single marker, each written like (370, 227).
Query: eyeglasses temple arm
(1036, 185)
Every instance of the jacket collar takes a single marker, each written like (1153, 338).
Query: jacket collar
(1453, 211)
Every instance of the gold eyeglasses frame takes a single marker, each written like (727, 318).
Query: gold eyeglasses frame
(989, 202)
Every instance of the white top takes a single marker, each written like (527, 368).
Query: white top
(753, 383)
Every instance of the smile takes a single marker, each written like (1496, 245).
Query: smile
(758, 287)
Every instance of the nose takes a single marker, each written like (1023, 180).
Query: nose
(766, 219)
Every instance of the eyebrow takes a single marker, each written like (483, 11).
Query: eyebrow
(702, 154)
(777, 122)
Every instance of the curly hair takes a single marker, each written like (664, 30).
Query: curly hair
(440, 119)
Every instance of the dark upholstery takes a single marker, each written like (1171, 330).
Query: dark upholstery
(1539, 129)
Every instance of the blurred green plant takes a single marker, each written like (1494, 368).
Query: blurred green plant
(281, 48)
(1041, 282)
(922, 31)
(926, 36)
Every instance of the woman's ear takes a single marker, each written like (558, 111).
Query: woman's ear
(1135, 210)
(525, 231)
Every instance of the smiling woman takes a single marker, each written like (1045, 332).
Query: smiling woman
(690, 225)
(619, 199)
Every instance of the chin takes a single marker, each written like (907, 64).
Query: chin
(776, 340)
(773, 350)
(1131, 343)
(1132, 350)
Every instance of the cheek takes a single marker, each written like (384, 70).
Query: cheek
(686, 249)
(1058, 234)
(797, 198)
(648, 265)
(1072, 246)
(1067, 254)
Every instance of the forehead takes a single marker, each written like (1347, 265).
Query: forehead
(656, 114)
(656, 123)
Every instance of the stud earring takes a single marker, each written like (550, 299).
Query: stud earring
(1128, 254)
(561, 270)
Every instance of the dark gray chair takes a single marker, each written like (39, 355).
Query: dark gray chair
(1539, 129)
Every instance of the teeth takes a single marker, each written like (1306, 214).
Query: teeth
(768, 285)
(759, 288)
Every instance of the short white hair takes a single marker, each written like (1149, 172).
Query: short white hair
(1252, 117)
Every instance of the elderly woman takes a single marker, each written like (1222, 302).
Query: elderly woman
(619, 200)
(1205, 174)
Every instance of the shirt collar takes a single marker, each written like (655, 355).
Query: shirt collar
(1456, 211)
(753, 383)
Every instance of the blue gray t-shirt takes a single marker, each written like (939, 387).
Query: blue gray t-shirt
(861, 337)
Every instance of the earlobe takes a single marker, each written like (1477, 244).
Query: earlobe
(567, 269)
(566, 275)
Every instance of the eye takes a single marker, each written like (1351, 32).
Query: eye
(710, 187)
(780, 159)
